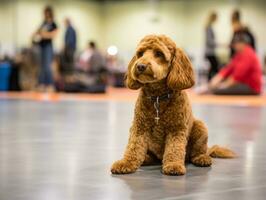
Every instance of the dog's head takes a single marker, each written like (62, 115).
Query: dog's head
(157, 58)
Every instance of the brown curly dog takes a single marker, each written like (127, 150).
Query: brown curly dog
(164, 128)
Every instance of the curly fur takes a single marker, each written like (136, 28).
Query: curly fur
(178, 137)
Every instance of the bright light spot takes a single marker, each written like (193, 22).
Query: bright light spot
(112, 50)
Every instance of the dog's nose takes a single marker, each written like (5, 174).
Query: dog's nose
(141, 67)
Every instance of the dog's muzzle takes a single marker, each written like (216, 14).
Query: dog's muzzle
(141, 67)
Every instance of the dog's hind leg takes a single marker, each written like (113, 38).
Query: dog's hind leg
(198, 145)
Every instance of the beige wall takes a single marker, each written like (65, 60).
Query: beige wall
(184, 21)
(19, 20)
(7, 32)
(124, 23)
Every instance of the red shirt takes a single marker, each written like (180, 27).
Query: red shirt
(245, 68)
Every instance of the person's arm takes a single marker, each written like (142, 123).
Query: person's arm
(36, 35)
(223, 74)
(216, 80)
(228, 69)
(241, 68)
(230, 81)
(48, 35)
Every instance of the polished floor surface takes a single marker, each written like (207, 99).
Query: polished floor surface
(126, 95)
(62, 150)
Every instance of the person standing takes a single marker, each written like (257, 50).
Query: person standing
(44, 36)
(210, 45)
(70, 45)
(239, 28)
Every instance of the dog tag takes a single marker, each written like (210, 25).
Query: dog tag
(157, 119)
(156, 106)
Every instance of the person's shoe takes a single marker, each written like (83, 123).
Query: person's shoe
(40, 88)
(50, 89)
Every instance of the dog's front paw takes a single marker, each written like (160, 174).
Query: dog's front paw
(174, 168)
(202, 161)
(122, 167)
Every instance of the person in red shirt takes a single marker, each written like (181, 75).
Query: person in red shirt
(243, 74)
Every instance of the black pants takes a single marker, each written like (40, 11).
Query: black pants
(238, 89)
(82, 88)
(67, 61)
(214, 66)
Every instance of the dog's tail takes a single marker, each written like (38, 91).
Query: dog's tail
(220, 152)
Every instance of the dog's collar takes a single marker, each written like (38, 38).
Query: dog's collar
(163, 97)
(156, 103)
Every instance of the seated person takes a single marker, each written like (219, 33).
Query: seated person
(96, 62)
(93, 79)
(84, 58)
(243, 74)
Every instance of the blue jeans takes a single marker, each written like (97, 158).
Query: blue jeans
(46, 77)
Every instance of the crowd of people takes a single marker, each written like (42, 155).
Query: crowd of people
(39, 68)
(243, 73)
(89, 74)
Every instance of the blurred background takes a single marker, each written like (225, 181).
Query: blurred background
(115, 28)
(58, 140)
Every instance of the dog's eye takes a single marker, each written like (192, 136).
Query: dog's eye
(140, 54)
(159, 54)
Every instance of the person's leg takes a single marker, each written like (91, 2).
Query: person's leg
(47, 57)
(42, 66)
(72, 56)
(70, 59)
(238, 89)
(213, 66)
(210, 68)
(45, 63)
(49, 75)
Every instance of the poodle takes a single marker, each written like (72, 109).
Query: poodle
(164, 128)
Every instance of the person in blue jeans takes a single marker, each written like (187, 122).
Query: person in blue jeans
(44, 37)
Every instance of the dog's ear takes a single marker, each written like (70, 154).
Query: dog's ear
(181, 75)
(128, 79)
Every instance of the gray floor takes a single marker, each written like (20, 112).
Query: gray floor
(63, 151)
